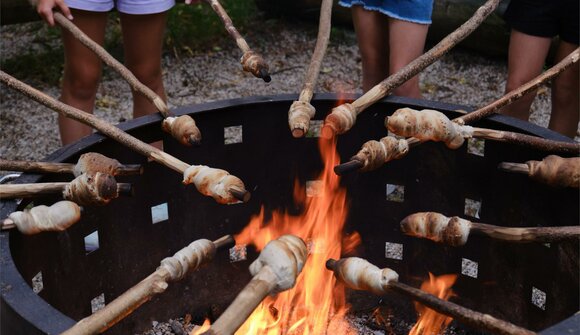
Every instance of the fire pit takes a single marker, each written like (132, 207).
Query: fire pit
(51, 279)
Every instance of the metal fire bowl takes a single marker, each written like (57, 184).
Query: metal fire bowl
(532, 285)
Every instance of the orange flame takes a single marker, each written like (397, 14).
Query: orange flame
(200, 330)
(430, 322)
(316, 304)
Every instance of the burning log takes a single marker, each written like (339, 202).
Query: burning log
(359, 274)
(217, 183)
(57, 217)
(89, 162)
(251, 61)
(172, 269)
(185, 131)
(552, 170)
(431, 125)
(343, 117)
(87, 189)
(302, 111)
(455, 230)
(274, 271)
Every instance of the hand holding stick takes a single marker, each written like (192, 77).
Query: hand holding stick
(302, 111)
(231, 192)
(251, 61)
(359, 274)
(88, 162)
(171, 269)
(185, 131)
(455, 231)
(343, 117)
(57, 217)
(274, 271)
(87, 189)
(552, 170)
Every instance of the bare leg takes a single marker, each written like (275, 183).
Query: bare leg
(82, 72)
(372, 35)
(565, 100)
(526, 58)
(406, 42)
(143, 42)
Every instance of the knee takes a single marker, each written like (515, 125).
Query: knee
(148, 74)
(83, 82)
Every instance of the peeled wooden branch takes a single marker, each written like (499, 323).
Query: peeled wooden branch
(57, 217)
(455, 230)
(302, 111)
(88, 162)
(431, 125)
(274, 271)
(516, 94)
(358, 163)
(172, 269)
(184, 131)
(552, 170)
(359, 274)
(251, 61)
(87, 189)
(217, 183)
(343, 117)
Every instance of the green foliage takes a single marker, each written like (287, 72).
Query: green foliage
(198, 27)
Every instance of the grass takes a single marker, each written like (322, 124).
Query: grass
(189, 28)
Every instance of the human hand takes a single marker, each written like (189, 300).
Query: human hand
(44, 9)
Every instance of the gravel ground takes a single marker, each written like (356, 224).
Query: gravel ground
(460, 77)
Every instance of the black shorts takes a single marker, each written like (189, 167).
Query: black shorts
(545, 18)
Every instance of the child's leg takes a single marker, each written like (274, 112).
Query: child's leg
(143, 42)
(372, 35)
(406, 42)
(565, 100)
(82, 72)
(526, 57)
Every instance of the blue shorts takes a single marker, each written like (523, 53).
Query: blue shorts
(417, 11)
(136, 7)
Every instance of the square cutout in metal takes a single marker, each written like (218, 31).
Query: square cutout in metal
(37, 284)
(314, 188)
(314, 129)
(476, 146)
(92, 242)
(159, 213)
(98, 302)
(394, 250)
(469, 268)
(395, 193)
(539, 298)
(238, 253)
(472, 208)
(233, 134)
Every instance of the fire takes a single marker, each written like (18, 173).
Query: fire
(317, 303)
(200, 330)
(431, 322)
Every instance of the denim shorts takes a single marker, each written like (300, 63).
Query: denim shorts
(417, 11)
(136, 7)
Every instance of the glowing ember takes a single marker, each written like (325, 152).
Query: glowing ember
(431, 322)
(317, 303)
(200, 330)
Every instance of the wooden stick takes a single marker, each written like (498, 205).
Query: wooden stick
(302, 111)
(343, 117)
(455, 230)
(359, 274)
(57, 217)
(274, 271)
(516, 94)
(171, 269)
(529, 141)
(552, 170)
(216, 182)
(86, 189)
(251, 61)
(188, 136)
(89, 162)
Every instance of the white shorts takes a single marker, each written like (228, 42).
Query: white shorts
(135, 7)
